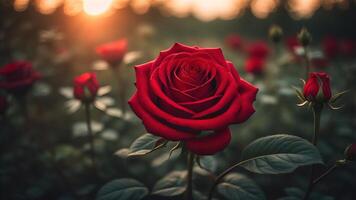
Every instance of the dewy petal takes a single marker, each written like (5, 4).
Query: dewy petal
(210, 144)
(155, 126)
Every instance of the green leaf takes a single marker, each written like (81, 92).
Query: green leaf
(277, 154)
(122, 189)
(238, 187)
(145, 144)
(208, 163)
(171, 185)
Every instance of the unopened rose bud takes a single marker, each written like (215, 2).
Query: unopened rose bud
(113, 52)
(275, 33)
(304, 37)
(350, 152)
(317, 87)
(86, 87)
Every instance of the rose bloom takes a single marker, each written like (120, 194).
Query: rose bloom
(330, 46)
(113, 52)
(258, 49)
(234, 41)
(317, 87)
(255, 65)
(3, 104)
(18, 77)
(192, 94)
(86, 87)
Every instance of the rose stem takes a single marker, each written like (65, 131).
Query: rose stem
(189, 190)
(307, 62)
(317, 108)
(91, 136)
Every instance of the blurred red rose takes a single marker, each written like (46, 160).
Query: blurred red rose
(3, 104)
(187, 91)
(255, 65)
(113, 52)
(234, 42)
(258, 49)
(330, 46)
(347, 47)
(292, 43)
(315, 82)
(86, 87)
(17, 77)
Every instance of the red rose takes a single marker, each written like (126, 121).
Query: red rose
(346, 47)
(255, 65)
(3, 104)
(330, 46)
(350, 152)
(113, 52)
(189, 91)
(86, 87)
(292, 43)
(234, 42)
(312, 87)
(258, 49)
(17, 77)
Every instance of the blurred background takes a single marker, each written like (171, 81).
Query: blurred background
(44, 152)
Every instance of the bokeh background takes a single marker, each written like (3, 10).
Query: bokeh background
(44, 154)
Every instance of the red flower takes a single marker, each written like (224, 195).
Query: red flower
(255, 65)
(312, 87)
(350, 152)
(234, 42)
(347, 47)
(258, 49)
(86, 87)
(292, 43)
(189, 91)
(330, 46)
(113, 52)
(3, 104)
(17, 77)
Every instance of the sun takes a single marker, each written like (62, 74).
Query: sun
(96, 7)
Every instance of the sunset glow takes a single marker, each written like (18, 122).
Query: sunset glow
(96, 7)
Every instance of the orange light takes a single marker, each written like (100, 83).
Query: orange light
(97, 7)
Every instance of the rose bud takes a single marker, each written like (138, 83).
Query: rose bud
(258, 49)
(317, 87)
(275, 33)
(330, 46)
(304, 37)
(3, 104)
(346, 47)
(113, 52)
(86, 87)
(350, 152)
(192, 94)
(255, 65)
(18, 77)
(234, 42)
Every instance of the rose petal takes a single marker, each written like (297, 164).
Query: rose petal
(210, 144)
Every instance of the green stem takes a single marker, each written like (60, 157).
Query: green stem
(317, 108)
(189, 190)
(221, 176)
(90, 135)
